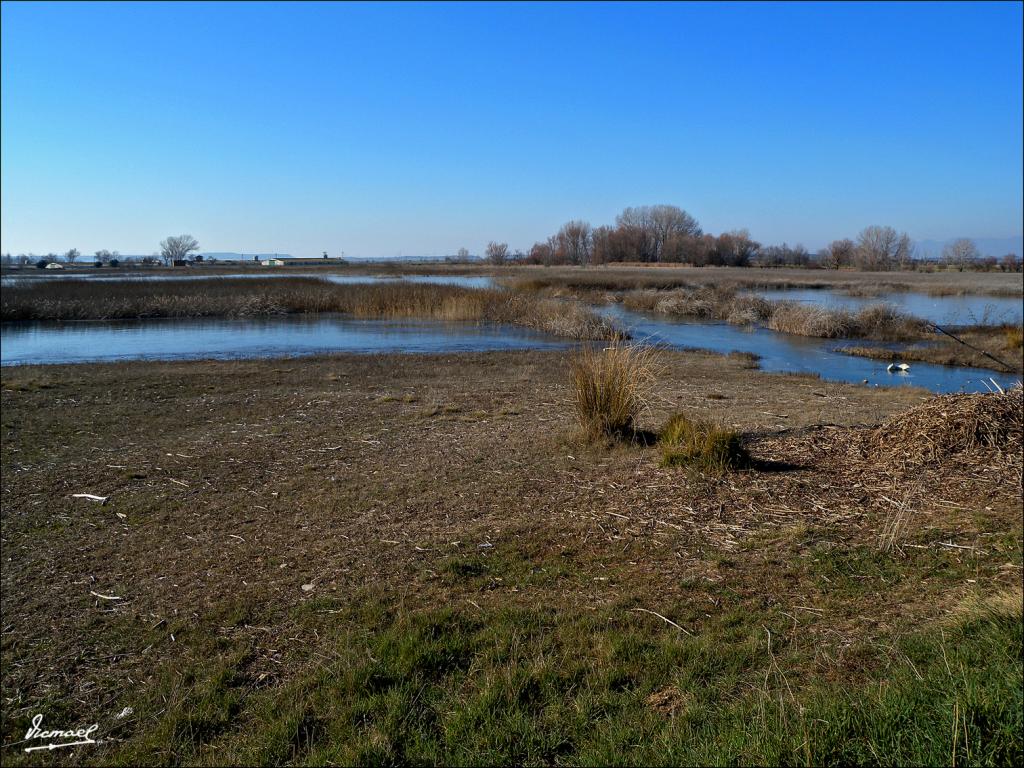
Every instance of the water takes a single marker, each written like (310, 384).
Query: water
(25, 343)
(466, 281)
(29, 343)
(944, 310)
(785, 353)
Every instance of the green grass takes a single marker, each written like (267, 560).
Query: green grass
(688, 442)
(529, 685)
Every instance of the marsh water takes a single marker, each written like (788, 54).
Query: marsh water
(785, 353)
(969, 309)
(466, 281)
(222, 338)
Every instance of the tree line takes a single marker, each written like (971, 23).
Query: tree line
(667, 234)
(174, 249)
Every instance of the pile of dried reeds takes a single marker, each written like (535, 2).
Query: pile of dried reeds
(954, 426)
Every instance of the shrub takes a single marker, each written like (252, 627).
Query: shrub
(610, 388)
(688, 442)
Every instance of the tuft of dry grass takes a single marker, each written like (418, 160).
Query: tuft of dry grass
(1006, 604)
(1015, 337)
(701, 445)
(610, 387)
(810, 320)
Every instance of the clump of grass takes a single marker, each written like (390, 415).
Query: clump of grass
(1015, 337)
(884, 321)
(701, 445)
(810, 320)
(610, 388)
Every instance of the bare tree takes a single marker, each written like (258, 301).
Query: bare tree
(960, 253)
(1010, 263)
(655, 224)
(71, 256)
(735, 249)
(575, 242)
(838, 254)
(882, 248)
(177, 248)
(462, 254)
(497, 252)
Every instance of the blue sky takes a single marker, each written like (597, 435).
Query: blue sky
(419, 129)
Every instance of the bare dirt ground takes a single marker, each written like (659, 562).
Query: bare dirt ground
(271, 484)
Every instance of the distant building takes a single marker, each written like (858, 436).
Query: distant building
(272, 262)
(54, 265)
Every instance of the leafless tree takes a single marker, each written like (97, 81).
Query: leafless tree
(736, 248)
(1010, 263)
(72, 255)
(881, 248)
(497, 252)
(656, 224)
(838, 254)
(462, 254)
(575, 241)
(177, 248)
(960, 253)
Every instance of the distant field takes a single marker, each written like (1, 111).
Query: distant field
(624, 277)
(414, 559)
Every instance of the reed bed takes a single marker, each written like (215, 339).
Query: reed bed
(70, 300)
(1002, 342)
(670, 277)
(877, 321)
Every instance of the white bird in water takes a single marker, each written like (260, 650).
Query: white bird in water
(897, 367)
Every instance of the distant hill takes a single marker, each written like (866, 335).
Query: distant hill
(987, 246)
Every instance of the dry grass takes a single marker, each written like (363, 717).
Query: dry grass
(1005, 604)
(627, 277)
(878, 321)
(1001, 343)
(702, 445)
(70, 300)
(810, 320)
(610, 387)
(542, 549)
